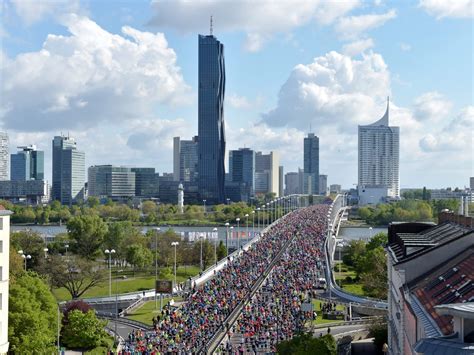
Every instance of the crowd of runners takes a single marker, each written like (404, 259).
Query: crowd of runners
(272, 315)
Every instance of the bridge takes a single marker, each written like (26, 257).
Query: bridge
(296, 225)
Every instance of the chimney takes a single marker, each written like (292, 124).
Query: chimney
(466, 206)
(461, 206)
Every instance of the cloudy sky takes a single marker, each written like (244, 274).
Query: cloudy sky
(121, 77)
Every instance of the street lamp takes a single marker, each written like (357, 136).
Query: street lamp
(215, 244)
(253, 224)
(247, 231)
(258, 219)
(175, 244)
(370, 233)
(25, 257)
(264, 219)
(228, 200)
(157, 230)
(268, 213)
(226, 237)
(109, 253)
(238, 236)
(45, 253)
(66, 246)
(204, 205)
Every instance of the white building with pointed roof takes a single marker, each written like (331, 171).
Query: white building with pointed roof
(379, 151)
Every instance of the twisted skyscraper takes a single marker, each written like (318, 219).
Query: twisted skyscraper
(211, 131)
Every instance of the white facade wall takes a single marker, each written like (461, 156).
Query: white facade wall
(4, 278)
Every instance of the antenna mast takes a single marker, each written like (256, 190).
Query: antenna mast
(211, 25)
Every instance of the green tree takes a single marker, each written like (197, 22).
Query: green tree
(379, 331)
(378, 240)
(207, 252)
(88, 233)
(304, 344)
(31, 243)
(374, 273)
(75, 274)
(139, 256)
(32, 316)
(93, 202)
(221, 250)
(148, 207)
(83, 330)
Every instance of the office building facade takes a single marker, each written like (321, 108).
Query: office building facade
(242, 172)
(267, 169)
(281, 190)
(292, 183)
(379, 160)
(311, 164)
(4, 156)
(68, 171)
(185, 160)
(323, 185)
(114, 182)
(31, 192)
(211, 128)
(146, 182)
(27, 164)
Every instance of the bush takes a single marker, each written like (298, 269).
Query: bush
(83, 330)
(348, 279)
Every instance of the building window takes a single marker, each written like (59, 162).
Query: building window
(1, 246)
(1, 223)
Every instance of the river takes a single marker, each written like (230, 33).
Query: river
(356, 233)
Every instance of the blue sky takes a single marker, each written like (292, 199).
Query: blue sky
(121, 77)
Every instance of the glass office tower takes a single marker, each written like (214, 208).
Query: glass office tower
(68, 171)
(211, 130)
(4, 156)
(27, 164)
(311, 164)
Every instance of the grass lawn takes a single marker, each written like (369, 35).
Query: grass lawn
(107, 344)
(351, 287)
(320, 320)
(132, 284)
(147, 311)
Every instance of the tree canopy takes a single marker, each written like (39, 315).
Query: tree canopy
(88, 234)
(32, 316)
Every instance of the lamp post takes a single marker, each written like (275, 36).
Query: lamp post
(258, 220)
(204, 205)
(226, 238)
(157, 230)
(24, 256)
(228, 200)
(175, 244)
(238, 236)
(231, 232)
(370, 233)
(200, 263)
(45, 253)
(253, 223)
(247, 228)
(109, 253)
(264, 219)
(66, 246)
(215, 244)
(268, 213)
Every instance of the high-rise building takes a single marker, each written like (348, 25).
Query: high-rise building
(211, 130)
(311, 164)
(4, 277)
(281, 191)
(185, 159)
(323, 185)
(242, 170)
(471, 183)
(27, 164)
(267, 164)
(146, 182)
(4, 156)
(292, 183)
(68, 171)
(378, 161)
(114, 182)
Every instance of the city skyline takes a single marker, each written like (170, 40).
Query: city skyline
(269, 71)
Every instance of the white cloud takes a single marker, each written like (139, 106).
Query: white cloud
(448, 8)
(259, 20)
(331, 91)
(352, 27)
(242, 102)
(405, 47)
(88, 77)
(32, 11)
(456, 136)
(357, 47)
(431, 106)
